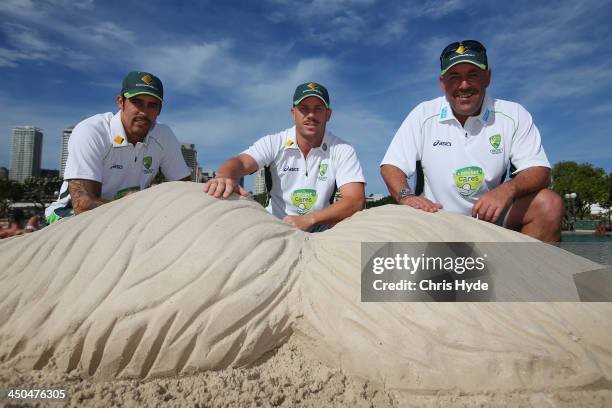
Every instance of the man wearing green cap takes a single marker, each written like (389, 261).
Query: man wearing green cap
(466, 142)
(112, 155)
(306, 163)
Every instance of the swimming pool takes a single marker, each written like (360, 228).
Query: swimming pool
(590, 246)
(589, 237)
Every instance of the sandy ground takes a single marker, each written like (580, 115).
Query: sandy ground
(285, 377)
(217, 303)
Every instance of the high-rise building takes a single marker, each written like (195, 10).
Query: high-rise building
(207, 175)
(26, 152)
(64, 154)
(260, 182)
(190, 154)
(49, 173)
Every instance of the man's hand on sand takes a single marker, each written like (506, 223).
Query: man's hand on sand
(301, 222)
(490, 206)
(223, 187)
(420, 203)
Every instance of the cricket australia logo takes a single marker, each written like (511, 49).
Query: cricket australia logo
(322, 169)
(147, 161)
(495, 141)
(322, 172)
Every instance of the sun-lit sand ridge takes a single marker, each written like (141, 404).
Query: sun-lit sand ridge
(169, 281)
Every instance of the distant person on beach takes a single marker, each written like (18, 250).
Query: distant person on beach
(466, 142)
(18, 226)
(600, 229)
(306, 164)
(113, 155)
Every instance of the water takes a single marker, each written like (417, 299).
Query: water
(590, 246)
(572, 237)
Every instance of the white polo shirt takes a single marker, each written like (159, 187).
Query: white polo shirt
(301, 184)
(461, 163)
(98, 150)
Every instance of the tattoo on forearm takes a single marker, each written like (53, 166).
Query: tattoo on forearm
(85, 194)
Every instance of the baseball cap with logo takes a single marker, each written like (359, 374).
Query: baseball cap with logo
(470, 51)
(140, 82)
(307, 89)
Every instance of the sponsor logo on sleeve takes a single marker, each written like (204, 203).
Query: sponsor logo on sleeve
(468, 180)
(304, 200)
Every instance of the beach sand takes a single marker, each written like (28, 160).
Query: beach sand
(170, 298)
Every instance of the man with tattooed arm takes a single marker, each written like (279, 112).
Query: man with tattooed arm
(112, 155)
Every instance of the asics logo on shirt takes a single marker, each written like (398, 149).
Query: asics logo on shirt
(116, 166)
(441, 143)
(291, 169)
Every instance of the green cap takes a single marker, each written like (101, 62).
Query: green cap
(470, 51)
(307, 89)
(140, 82)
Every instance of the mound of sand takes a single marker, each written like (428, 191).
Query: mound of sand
(171, 282)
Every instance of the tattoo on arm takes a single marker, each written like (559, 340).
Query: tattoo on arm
(85, 194)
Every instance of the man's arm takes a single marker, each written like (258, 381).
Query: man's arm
(491, 205)
(353, 200)
(85, 194)
(228, 177)
(395, 179)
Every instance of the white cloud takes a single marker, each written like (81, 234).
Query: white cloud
(25, 44)
(27, 9)
(190, 67)
(319, 8)
(109, 33)
(437, 9)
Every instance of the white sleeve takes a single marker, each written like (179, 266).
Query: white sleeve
(173, 165)
(403, 152)
(86, 150)
(264, 150)
(348, 168)
(526, 149)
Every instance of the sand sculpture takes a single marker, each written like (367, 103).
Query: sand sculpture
(170, 281)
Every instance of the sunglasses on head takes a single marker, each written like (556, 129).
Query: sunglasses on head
(467, 45)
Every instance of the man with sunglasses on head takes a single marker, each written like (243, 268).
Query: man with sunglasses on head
(466, 141)
(306, 163)
(113, 155)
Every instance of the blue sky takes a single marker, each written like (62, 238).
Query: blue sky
(229, 68)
